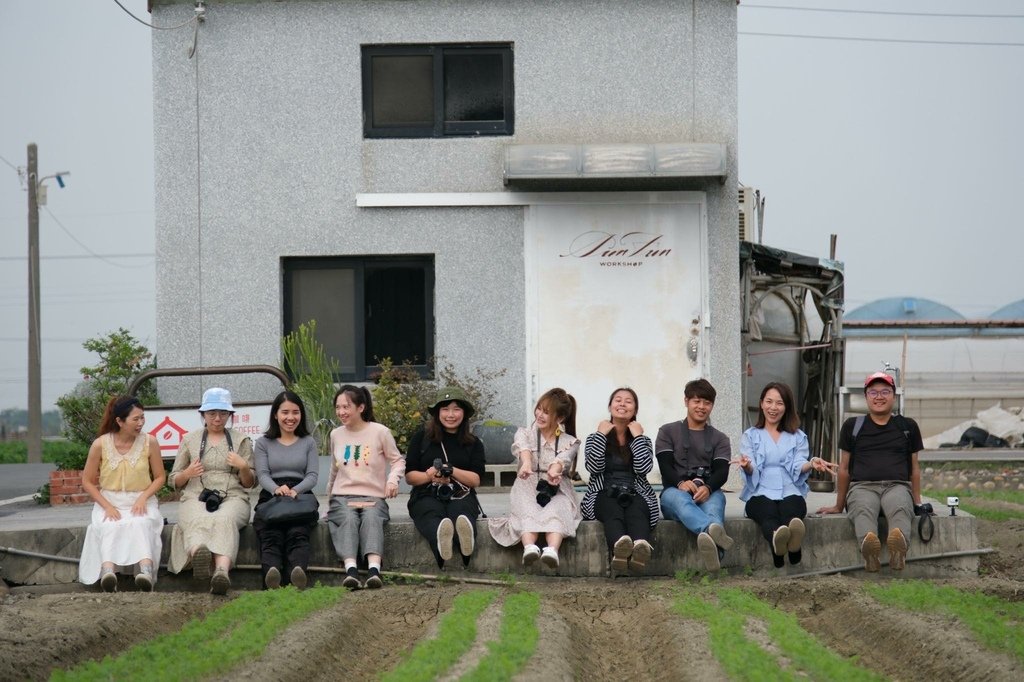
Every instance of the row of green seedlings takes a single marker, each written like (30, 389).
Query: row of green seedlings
(507, 655)
(997, 624)
(237, 631)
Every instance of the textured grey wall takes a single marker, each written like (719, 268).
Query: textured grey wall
(280, 156)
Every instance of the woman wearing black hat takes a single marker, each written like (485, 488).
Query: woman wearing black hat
(445, 464)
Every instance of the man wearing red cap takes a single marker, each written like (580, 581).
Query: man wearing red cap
(879, 472)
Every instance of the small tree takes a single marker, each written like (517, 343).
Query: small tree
(312, 373)
(400, 400)
(122, 357)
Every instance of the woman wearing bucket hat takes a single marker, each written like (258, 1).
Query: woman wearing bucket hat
(445, 464)
(214, 471)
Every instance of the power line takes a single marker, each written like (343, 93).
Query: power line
(11, 165)
(94, 254)
(886, 12)
(159, 28)
(82, 257)
(879, 40)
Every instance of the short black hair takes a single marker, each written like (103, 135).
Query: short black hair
(700, 388)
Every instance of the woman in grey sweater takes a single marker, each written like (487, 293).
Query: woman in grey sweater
(286, 464)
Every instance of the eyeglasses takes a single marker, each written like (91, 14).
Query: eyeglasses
(880, 393)
(218, 414)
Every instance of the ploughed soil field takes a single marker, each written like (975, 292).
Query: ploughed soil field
(585, 629)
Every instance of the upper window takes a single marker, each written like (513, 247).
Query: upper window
(437, 90)
(366, 309)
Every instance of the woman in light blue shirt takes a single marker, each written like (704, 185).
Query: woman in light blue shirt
(775, 461)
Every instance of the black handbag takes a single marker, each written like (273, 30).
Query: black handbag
(284, 510)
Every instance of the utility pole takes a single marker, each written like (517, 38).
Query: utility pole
(35, 399)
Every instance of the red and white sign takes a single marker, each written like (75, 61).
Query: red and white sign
(170, 426)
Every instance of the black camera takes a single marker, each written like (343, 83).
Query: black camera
(545, 491)
(699, 474)
(925, 509)
(212, 498)
(443, 469)
(623, 494)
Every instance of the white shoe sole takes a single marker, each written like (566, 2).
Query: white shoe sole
(467, 535)
(780, 541)
(445, 535)
(273, 578)
(621, 551)
(549, 559)
(641, 555)
(708, 551)
(797, 529)
(298, 578)
(718, 534)
(530, 556)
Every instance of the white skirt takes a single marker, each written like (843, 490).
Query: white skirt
(124, 542)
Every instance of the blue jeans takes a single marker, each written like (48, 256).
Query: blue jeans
(677, 505)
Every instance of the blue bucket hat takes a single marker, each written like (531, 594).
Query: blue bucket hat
(216, 399)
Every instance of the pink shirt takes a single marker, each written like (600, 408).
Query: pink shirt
(360, 461)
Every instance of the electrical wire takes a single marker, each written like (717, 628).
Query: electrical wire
(159, 28)
(86, 248)
(81, 257)
(879, 40)
(886, 12)
(16, 170)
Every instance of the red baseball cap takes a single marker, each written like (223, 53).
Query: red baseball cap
(879, 376)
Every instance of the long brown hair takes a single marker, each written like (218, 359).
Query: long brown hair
(118, 407)
(561, 404)
(790, 420)
(625, 452)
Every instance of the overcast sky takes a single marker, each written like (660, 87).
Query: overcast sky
(909, 150)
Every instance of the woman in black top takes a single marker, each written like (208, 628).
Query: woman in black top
(445, 464)
(618, 457)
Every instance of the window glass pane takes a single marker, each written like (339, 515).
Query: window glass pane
(328, 296)
(403, 90)
(395, 314)
(473, 88)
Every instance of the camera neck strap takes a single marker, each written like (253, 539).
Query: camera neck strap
(540, 446)
(202, 449)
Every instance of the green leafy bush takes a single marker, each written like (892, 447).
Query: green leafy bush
(312, 372)
(122, 357)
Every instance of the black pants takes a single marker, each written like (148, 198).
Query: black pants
(769, 515)
(633, 520)
(426, 512)
(283, 547)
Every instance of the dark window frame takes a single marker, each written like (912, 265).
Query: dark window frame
(440, 127)
(362, 370)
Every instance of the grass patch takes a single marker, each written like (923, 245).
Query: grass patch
(726, 613)
(238, 631)
(996, 623)
(456, 634)
(16, 452)
(968, 497)
(516, 642)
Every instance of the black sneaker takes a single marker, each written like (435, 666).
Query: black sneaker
(373, 581)
(351, 580)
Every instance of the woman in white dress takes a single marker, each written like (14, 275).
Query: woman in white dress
(122, 475)
(543, 500)
(214, 471)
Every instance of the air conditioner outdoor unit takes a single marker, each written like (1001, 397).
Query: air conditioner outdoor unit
(748, 213)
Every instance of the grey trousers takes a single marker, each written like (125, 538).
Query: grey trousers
(866, 499)
(354, 527)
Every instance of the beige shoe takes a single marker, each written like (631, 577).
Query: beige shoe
(717, 533)
(220, 583)
(530, 555)
(467, 535)
(642, 551)
(780, 540)
(796, 534)
(871, 550)
(202, 561)
(621, 551)
(708, 552)
(273, 578)
(108, 581)
(144, 579)
(298, 578)
(445, 536)
(897, 544)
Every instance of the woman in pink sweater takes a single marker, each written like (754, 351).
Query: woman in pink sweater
(362, 453)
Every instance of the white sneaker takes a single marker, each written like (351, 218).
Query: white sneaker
(530, 554)
(708, 552)
(549, 557)
(467, 535)
(621, 551)
(144, 579)
(642, 551)
(780, 540)
(445, 535)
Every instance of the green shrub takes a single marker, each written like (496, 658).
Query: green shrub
(312, 372)
(122, 357)
(400, 400)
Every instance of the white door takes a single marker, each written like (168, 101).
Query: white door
(616, 296)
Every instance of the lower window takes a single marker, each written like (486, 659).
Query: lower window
(366, 308)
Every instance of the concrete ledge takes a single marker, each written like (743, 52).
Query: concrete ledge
(829, 544)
